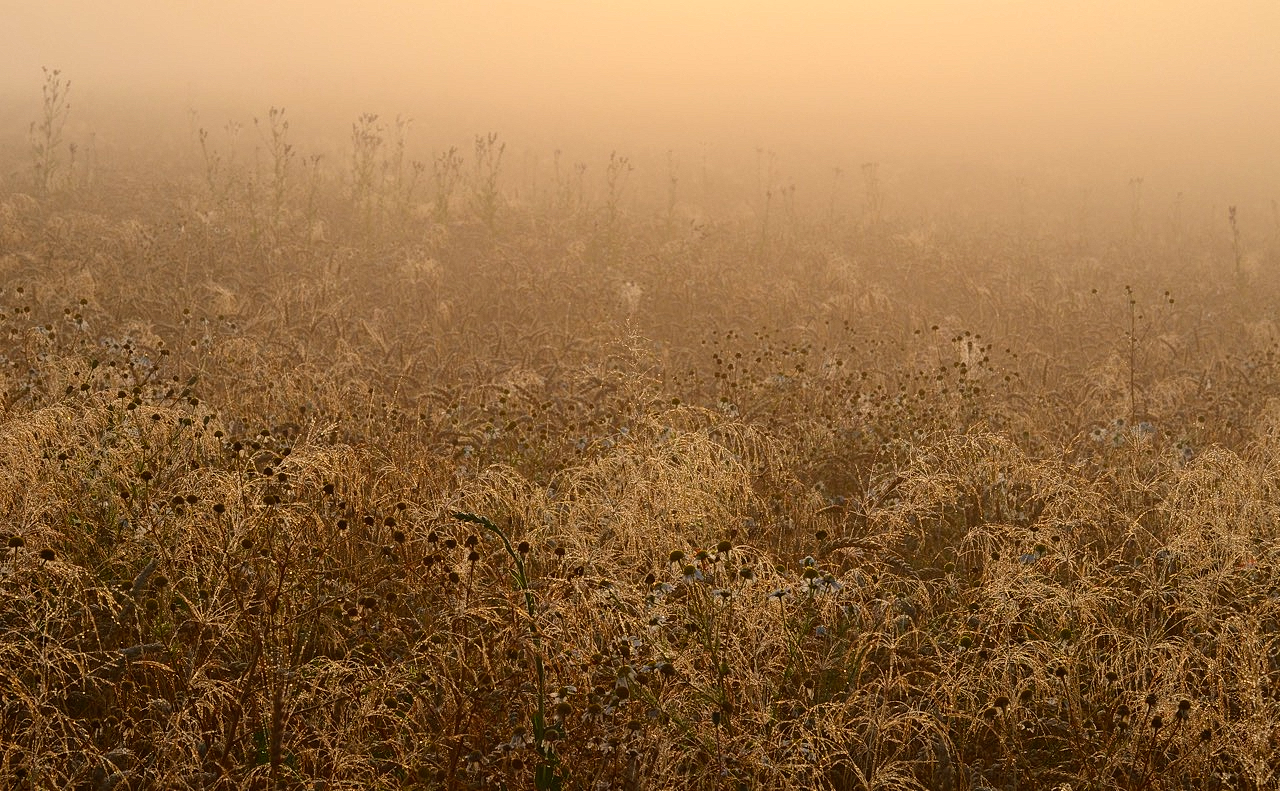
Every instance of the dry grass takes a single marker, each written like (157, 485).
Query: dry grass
(841, 509)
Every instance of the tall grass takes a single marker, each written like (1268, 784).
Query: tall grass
(490, 494)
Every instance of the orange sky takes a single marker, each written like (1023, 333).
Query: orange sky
(1170, 79)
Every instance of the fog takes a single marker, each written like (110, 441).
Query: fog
(1181, 93)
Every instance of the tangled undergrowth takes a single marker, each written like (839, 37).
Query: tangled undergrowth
(363, 497)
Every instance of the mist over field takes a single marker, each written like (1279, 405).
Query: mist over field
(1065, 95)
(627, 395)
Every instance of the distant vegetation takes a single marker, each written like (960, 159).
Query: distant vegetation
(384, 473)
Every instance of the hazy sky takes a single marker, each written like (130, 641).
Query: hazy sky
(1120, 77)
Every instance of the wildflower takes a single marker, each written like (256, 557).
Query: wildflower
(625, 673)
(519, 738)
(691, 573)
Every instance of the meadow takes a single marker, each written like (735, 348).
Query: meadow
(371, 473)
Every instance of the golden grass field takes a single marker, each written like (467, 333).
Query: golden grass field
(375, 477)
